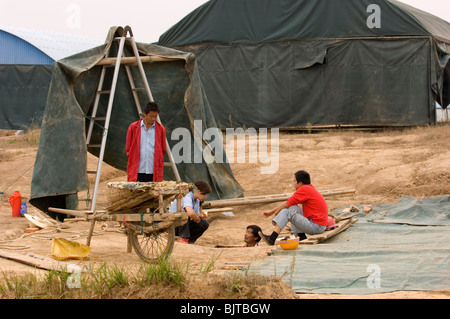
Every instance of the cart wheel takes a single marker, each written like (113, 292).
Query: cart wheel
(153, 245)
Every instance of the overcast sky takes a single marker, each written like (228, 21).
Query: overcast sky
(148, 19)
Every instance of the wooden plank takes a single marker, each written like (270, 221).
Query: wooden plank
(131, 60)
(340, 218)
(136, 217)
(147, 217)
(34, 260)
(236, 264)
(228, 246)
(340, 227)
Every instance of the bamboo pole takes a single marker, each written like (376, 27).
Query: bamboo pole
(263, 199)
(218, 210)
(71, 212)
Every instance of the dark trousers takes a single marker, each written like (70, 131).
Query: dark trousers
(144, 177)
(192, 230)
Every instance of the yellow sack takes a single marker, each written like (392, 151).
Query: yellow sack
(65, 249)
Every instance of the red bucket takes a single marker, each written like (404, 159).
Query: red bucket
(15, 201)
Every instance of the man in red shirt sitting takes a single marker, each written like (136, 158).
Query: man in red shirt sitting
(311, 218)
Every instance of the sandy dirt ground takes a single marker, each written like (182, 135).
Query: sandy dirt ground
(381, 167)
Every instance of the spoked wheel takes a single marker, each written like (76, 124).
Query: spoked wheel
(152, 245)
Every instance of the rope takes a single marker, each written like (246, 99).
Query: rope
(104, 227)
(2, 192)
(44, 234)
(317, 288)
(140, 229)
(95, 122)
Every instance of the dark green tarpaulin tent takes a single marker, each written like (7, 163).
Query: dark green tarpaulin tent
(291, 63)
(23, 92)
(60, 166)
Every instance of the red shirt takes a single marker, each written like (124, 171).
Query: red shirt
(313, 204)
(133, 149)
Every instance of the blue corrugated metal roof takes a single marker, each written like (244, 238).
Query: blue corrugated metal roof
(25, 46)
(14, 50)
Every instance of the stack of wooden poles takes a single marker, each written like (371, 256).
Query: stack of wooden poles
(223, 205)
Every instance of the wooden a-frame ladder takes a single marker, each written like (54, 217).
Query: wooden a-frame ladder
(116, 62)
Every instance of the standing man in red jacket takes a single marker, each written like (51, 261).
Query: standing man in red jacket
(146, 146)
(311, 218)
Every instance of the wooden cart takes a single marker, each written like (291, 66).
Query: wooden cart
(143, 209)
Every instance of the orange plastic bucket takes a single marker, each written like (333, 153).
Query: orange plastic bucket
(15, 201)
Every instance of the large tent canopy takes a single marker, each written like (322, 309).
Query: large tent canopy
(60, 170)
(287, 63)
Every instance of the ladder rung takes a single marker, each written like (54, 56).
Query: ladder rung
(92, 172)
(94, 145)
(99, 118)
(108, 65)
(104, 92)
(167, 164)
(84, 199)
